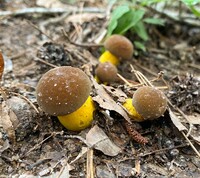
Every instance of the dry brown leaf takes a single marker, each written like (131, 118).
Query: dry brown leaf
(100, 141)
(6, 121)
(106, 102)
(176, 121)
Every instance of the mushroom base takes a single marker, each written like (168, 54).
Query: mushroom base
(133, 114)
(79, 119)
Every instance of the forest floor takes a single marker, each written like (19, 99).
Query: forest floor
(34, 144)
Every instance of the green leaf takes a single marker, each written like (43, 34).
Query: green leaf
(128, 20)
(190, 2)
(154, 21)
(149, 2)
(139, 28)
(195, 11)
(140, 45)
(116, 14)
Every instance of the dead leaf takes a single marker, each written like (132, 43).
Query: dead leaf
(194, 119)
(195, 134)
(176, 121)
(116, 92)
(100, 141)
(106, 102)
(5, 121)
(5, 146)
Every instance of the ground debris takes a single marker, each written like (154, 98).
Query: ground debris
(185, 93)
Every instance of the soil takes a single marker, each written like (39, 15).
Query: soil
(33, 143)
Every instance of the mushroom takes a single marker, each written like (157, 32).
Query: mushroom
(64, 90)
(149, 102)
(108, 57)
(120, 46)
(106, 72)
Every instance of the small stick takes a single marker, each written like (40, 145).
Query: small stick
(142, 79)
(1, 65)
(124, 80)
(45, 62)
(40, 10)
(37, 28)
(37, 145)
(90, 167)
(192, 146)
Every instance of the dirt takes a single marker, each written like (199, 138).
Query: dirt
(36, 144)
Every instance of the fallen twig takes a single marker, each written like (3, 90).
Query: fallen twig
(191, 144)
(41, 10)
(45, 62)
(90, 167)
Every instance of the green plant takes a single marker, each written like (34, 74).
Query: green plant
(132, 17)
(191, 5)
(126, 17)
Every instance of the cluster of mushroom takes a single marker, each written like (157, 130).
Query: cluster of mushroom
(148, 103)
(118, 48)
(65, 91)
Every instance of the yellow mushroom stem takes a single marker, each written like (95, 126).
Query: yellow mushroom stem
(109, 57)
(79, 119)
(133, 114)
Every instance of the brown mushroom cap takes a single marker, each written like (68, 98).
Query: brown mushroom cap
(62, 90)
(106, 72)
(149, 102)
(119, 46)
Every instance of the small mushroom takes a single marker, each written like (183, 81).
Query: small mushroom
(106, 72)
(149, 102)
(62, 90)
(120, 46)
